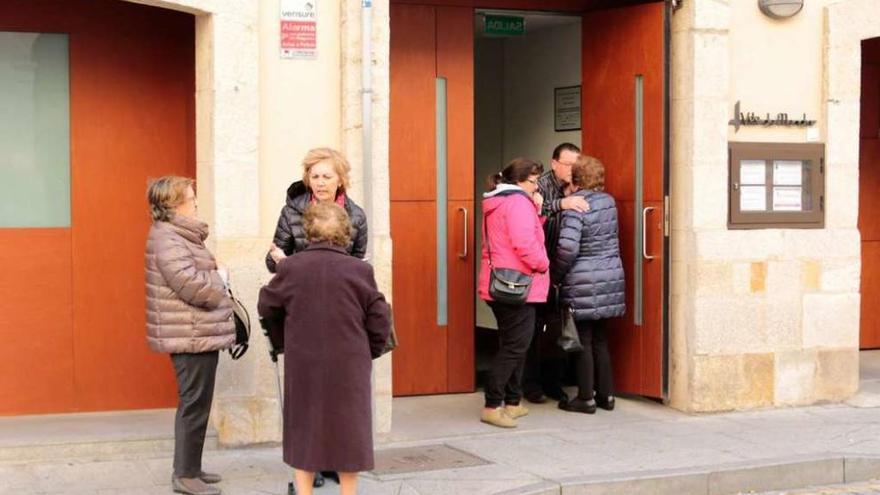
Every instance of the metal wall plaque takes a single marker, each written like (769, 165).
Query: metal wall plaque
(567, 108)
(766, 120)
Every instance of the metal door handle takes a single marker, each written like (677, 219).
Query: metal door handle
(645, 233)
(464, 253)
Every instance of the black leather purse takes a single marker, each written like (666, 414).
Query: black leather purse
(506, 285)
(568, 340)
(242, 328)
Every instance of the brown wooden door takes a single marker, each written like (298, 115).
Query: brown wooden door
(869, 201)
(623, 126)
(433, 300)
(73, 298)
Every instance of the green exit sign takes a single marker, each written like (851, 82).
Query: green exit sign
(503, 25)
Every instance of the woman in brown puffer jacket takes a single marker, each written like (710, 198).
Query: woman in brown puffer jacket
(189, 315)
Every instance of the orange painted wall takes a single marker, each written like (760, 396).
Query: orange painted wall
(132, 111)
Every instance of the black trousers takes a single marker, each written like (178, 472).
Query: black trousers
(594, 361)
(545, 361)
(195, 391)
(516, 324)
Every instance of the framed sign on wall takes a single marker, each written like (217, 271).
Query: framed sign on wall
(567, 108)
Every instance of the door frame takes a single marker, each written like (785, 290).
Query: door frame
(568, 7)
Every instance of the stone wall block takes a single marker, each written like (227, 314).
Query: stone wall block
(844, 79)
(681, 336)
(710, 134)
(247, 420)
(204, 53)
(683, 246)
(831, 320)
(236, 50)
(739, 245)
(811, 275)
(784, 317)
(741, 276)
(682, 53)
(237, 111)
(842, 145)
(841, 275)
(795, 378)
(727, 324)
(712, 278)
(711, 14)
(710, 197)
(710, 62)
(830, 244)
(784, 277)
(235, 186)
(727, 382)
(837, 373)
(841, 197)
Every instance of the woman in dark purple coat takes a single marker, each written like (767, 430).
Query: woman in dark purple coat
(335, 322)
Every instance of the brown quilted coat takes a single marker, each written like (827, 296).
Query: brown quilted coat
(188, 309)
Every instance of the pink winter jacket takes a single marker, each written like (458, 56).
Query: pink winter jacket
(517, 239)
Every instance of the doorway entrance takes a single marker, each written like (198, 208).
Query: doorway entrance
(96, 96)
(437, 167)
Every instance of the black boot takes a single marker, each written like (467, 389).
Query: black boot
(578, 405)
(605, 402)
(319, 480)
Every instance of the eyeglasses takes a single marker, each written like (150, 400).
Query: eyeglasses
(564, 163)
(533, 181)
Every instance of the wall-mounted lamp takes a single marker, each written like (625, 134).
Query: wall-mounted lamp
(780, 9)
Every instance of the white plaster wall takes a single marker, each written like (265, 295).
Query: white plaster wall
(776, 66)
(533, 65)
(300, 103)
(488, 138)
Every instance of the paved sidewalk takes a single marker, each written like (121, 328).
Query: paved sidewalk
(636, 443)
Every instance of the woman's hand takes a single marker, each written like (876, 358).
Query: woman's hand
(277, 253)
(538, 199)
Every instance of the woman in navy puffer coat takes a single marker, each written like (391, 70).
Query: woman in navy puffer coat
(590, 273)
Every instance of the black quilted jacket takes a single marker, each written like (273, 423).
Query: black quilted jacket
(290, 236)
(587, 263)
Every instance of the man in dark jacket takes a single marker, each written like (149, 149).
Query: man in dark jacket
(545, 362)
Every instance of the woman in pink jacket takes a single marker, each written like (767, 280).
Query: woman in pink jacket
(515, 235)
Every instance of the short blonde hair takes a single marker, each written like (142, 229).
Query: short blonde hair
(588, 173)
(337, 159)
(165, 194)
(327, 222)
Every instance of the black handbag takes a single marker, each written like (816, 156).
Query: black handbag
(568, 340)
(506, 285)
(391, 343)
(242, 328)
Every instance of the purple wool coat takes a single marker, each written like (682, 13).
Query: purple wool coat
(335, 322)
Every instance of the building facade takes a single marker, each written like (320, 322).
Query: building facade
(724, 317)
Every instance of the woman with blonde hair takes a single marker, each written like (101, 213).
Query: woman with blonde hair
(589, 267)
(335, 322)
(189, 316)
(325, 179)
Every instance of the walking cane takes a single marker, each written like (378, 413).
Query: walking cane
(276, 347)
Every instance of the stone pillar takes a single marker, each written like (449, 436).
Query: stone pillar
(759, 317)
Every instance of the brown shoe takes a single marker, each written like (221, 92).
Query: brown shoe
(210, 478)
(497, 417)
(516, 411)
(192, 486)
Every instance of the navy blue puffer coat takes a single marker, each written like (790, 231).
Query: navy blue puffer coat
(587, 263)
